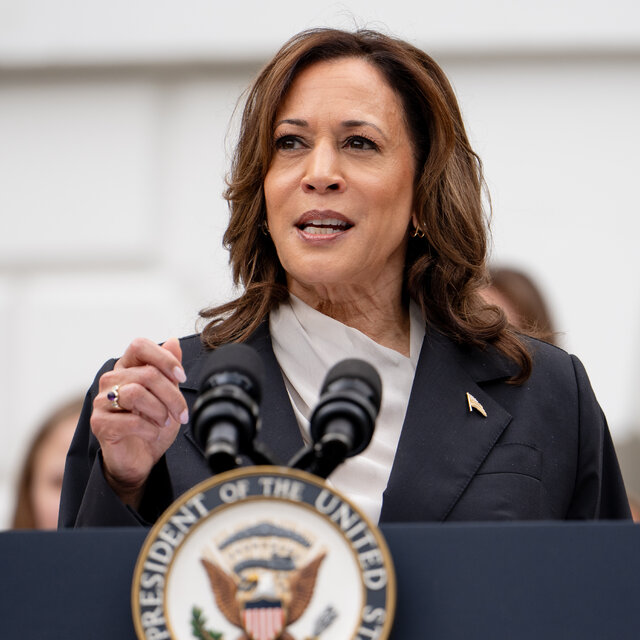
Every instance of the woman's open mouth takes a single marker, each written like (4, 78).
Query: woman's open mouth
(323, 223)
(324, 226)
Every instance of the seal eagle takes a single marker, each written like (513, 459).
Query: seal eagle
(263, 602)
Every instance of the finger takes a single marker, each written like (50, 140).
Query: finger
(142, 352)
(146, 390)
(173, 346)
(138, 399)
(113, 429)
(126, 436)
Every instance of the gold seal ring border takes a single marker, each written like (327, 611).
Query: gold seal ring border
(235, 474)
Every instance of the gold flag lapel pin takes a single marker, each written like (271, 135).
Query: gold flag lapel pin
(474, 404)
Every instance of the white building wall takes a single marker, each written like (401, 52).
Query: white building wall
(113, 124)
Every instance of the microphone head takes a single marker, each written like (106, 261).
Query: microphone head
(350, 397)
(236, 364)
(229, 398)
(354, 369)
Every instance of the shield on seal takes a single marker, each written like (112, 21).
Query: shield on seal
(263, 619)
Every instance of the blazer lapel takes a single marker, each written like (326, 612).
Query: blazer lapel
(279, 430)
(442, 443)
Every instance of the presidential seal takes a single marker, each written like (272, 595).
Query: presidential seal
(263, 553)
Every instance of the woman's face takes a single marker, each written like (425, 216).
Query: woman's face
(48, 469)
(339, 190)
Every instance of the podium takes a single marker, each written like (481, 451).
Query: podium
(473, 581)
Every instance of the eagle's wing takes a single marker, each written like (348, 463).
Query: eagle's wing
(224, 590)
(302, 583)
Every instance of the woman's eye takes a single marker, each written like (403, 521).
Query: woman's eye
(361, 143)
(288, 143)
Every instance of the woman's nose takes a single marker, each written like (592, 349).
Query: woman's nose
(323, 173)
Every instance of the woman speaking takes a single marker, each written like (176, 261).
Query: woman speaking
(357, 230)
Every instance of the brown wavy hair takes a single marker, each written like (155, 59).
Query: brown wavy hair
(445, 269)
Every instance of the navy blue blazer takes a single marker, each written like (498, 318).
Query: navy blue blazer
(543, 452)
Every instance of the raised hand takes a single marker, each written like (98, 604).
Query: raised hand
(137, 414)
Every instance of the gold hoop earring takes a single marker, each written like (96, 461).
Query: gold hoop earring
(417, 232)
(264, 227)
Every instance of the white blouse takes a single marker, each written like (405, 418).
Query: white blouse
(307, 344)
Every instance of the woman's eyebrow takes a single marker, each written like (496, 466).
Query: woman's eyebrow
(293, 121)
(348, 124)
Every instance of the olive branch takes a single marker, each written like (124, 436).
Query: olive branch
(197, 626)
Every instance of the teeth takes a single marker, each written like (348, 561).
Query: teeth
(324, 226)
(330, 222)
(321, 231)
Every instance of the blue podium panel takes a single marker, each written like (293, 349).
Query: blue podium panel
(68, 585)
(517, 581)
(514, 581)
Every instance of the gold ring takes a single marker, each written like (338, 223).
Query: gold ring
(114, 397)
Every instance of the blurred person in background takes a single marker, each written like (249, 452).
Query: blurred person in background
(522, 302)
(634, 504)
(40, 480)
(628, 450)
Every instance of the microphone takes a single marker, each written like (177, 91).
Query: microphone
(342, 422)
(226, 412)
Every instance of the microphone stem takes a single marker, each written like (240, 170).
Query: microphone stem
(332, 449)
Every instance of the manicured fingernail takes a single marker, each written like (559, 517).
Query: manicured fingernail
(167, 422)
(184, 417)
(179, 374)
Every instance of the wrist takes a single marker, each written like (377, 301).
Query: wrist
(129, 492)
